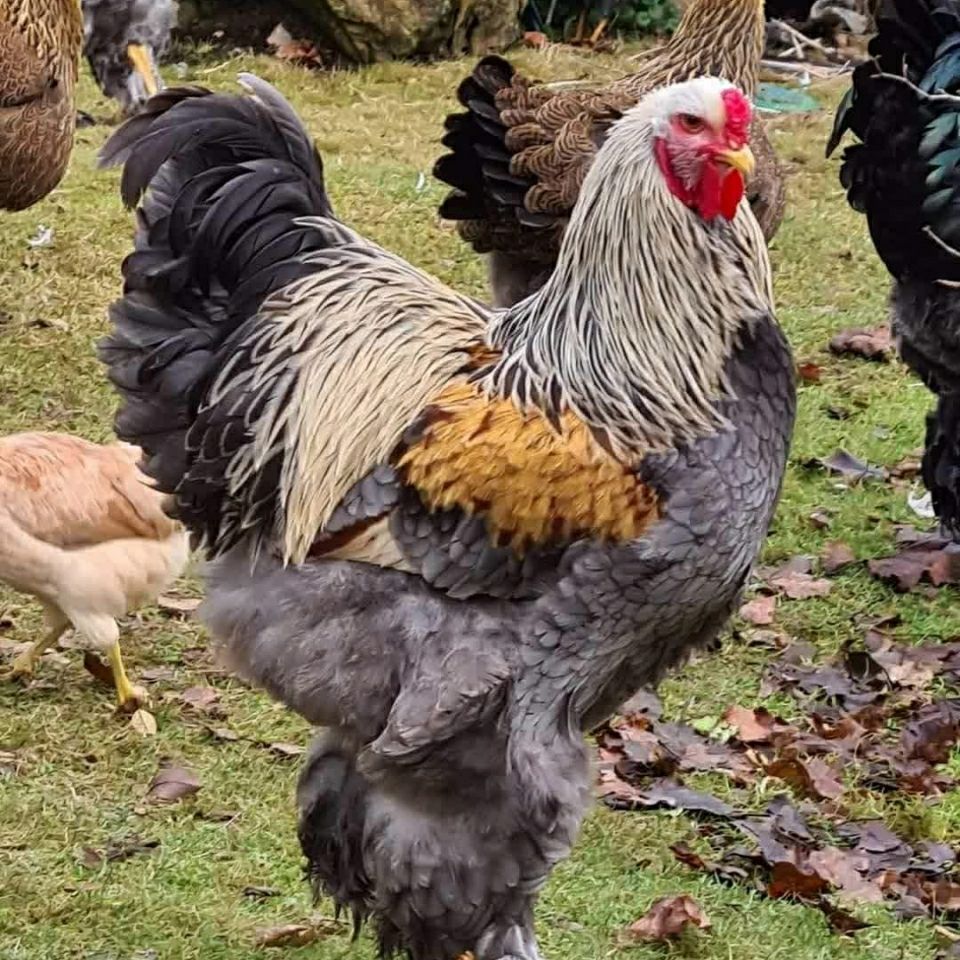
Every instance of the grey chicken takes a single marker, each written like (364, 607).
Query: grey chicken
(123, 41)
(453, 536)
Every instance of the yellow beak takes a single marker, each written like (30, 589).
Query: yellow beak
(140, 61)
(741, 159)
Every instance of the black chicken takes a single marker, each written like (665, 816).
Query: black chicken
(904, 106)
(123, 41)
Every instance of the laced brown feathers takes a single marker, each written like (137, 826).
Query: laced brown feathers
(40, 43)
(520, 153)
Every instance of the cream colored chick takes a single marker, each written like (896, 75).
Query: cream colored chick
(83, 532)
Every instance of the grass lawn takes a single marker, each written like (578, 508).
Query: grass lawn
(73, 775)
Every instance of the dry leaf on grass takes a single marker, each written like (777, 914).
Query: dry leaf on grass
(202, 699)
(809, 372)
(754, 726)
(800, 586)
(668, 918)
(116, 851)
(842, 463)
(874, 343)
(760, 611)
(837, 555)
(928, 559)
(178, 606)
(298, 934)
(171, 784)
(143, 722)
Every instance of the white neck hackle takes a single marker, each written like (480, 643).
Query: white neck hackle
(632, 330)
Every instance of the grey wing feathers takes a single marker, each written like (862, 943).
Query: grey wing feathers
(468, 690)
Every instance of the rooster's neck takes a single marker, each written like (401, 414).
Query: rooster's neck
(633, 329)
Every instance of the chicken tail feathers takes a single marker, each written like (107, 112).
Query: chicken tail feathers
(223, 184)
(478, 164)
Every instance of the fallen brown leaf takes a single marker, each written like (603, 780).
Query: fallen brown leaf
(171, 784)
(668, 918)
(929, 559)
(143, 722)
(179, 606)
(97, 669)
(844, 464)
(800, 586)
(871, 344)
(297, 934)
(789, 879)
(202, 699)
(752, 726)
(813, 778)
(760, 611)
(837, 555)
(809, 372)
(116, 851)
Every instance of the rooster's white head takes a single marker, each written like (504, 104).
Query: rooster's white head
(700, 131)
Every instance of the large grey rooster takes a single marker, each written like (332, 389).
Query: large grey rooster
(455, 537)
(123, 41)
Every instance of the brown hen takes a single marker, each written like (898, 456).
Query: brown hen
(82, 530)
(520, 153)
(40, 43)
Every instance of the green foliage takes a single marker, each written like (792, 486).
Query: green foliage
(646, 17)
(629, 17)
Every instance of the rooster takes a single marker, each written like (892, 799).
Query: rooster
(123, 43)
(456, 537)
(904, 106)
(519, 155)
(81, 530)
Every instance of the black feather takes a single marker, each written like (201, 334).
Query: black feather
(224, 183)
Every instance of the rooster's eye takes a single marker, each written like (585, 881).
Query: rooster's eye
(691, 123)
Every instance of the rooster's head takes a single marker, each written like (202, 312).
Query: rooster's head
(700, 133)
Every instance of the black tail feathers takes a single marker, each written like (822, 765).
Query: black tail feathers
(222, 182)
(478, 162)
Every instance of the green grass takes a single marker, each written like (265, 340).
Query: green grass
(81, 773)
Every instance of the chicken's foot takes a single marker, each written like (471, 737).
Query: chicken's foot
(129, 697)
(26, 663)
(103, 634)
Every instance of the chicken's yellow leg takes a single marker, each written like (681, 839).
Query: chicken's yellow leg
(26, 663)
(140, 60)
(581, 27)
(103, 634)
(129, 697)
